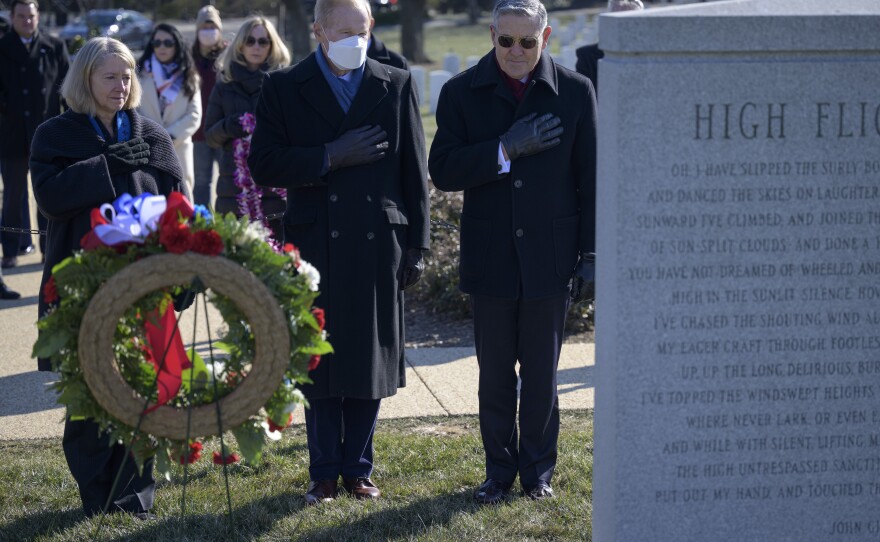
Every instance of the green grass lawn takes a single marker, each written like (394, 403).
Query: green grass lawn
(427, 470)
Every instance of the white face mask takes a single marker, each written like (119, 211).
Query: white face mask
(209, 37)
(349, 53)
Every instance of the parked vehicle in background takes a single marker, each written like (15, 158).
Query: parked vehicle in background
(130, 27)
(376, 5)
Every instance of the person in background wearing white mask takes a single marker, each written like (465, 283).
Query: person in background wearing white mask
(342, 133)
(209, 45)
(170, 83)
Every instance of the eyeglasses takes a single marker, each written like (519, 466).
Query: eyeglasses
(163, 43)
(529, 42)
(251, 41)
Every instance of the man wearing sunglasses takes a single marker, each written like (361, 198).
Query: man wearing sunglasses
(517, 133)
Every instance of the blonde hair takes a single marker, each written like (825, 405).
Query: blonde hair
(279, 56)
(77, 86)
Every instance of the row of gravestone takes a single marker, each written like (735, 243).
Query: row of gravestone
(571, 37)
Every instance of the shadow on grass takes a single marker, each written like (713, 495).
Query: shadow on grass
(40, 524)
(395, 523)
(256, 519)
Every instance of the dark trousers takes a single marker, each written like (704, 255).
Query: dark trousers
(340, 436)
(530, 331)
(16, 211)
(204, 158)
(94, 464)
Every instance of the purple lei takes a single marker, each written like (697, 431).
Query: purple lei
(250, 196)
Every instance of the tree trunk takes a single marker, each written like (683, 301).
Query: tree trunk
(297, 30)
(473, 11)
(412, 31)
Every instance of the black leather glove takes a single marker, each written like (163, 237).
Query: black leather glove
(583, 282)
(532, 134)
(127, 156)
(232, 126)
(358, 146)
(413, 266)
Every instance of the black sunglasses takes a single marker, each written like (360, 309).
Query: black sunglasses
(163, 43)
(250, 41)
(507, 42)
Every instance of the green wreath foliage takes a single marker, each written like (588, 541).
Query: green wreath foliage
(291, 280)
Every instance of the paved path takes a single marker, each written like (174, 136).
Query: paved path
(440, 381)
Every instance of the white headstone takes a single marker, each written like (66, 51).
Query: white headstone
(452, 63)
(436, 80)
(418, 75)
(738, 310)
(471, 61)
(567, 56)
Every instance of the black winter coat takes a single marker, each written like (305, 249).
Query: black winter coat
(30, 80)
(520, 232)
(588, 58)
(70, 178)
(230, 100)
(378, 52)
(353, 224)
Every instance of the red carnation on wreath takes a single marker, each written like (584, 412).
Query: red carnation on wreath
(314, 361)
(207, 242)
(195, 453)
(318, 313)
(275, 427)
(227, 460)
(50, 291)
(176, 238)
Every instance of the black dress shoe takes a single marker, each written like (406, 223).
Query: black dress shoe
(22, 251)
(539, 492)
(321, 491)
(6, 293)
(8, 262)
(145, 516)
(361, 488)
(491, 492)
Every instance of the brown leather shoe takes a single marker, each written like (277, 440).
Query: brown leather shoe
(361, 488)
(491, 492)
(320, 491)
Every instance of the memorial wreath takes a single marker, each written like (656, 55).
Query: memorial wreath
(111, 330)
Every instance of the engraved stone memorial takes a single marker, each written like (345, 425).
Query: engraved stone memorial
(738, 310)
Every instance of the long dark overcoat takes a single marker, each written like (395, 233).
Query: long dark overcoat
(354, 224)
(29, 83)
(70, 178)
(228, 101)
(526, 226)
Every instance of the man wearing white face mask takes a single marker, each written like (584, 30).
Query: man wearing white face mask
(207, 48)
(342, 133)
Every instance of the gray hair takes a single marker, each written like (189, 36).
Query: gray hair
(324, 7)
(521, 8)
(625, 5)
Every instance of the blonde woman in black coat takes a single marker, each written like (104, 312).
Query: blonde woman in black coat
(256, 50)
(97, 150)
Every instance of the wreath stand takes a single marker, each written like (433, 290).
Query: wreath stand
(117, 397)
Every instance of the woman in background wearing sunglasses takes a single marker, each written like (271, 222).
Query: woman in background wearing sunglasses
(255, 51)
(170, 83)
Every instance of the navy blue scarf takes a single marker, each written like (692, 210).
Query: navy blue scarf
(344, 91)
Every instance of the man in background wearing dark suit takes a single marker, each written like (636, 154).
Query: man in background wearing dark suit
(32, 67)
(378, 52)
(517, 133)
(588, 56)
